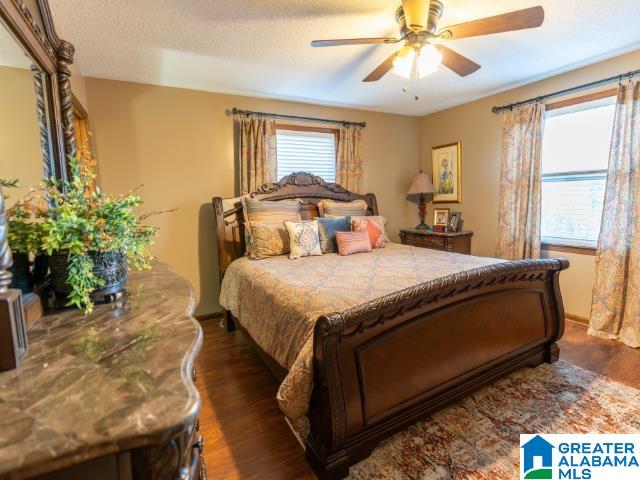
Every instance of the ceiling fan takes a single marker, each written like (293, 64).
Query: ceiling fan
(418, 22)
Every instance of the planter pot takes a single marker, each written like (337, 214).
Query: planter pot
(21, 272)
(111, 267)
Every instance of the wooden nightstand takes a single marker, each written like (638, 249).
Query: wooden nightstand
(449, 242)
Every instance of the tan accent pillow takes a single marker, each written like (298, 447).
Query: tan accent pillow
(304, 240)
(268, 239)
(332, 208)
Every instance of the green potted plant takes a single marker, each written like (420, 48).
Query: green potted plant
(23, 238)
(91, 237)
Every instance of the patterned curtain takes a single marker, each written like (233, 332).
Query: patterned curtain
(520, 183)
(349, 165)
(257, 143)
(615, 307)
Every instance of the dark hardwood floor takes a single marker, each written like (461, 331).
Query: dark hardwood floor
(245, 433)
(606, 357)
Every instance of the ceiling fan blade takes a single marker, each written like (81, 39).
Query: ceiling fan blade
(456, 62)
(351, 41)
(381, 70)
(415, 14)
(507, 22)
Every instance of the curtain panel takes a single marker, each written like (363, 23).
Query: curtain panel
(349, 159)
(615, 308)
(257, 147)
(520, 183)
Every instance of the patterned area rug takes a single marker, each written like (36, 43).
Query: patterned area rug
(478, 437)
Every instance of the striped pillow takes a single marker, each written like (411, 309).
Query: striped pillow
(268, 211)
(331, 208)
(353, 242)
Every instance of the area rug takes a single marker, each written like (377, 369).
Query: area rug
(478, 437)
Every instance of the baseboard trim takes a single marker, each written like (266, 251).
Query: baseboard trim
(209, 316)
(577, 318)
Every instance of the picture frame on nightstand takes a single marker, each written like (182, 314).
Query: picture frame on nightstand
(455, 222)
(440, 216)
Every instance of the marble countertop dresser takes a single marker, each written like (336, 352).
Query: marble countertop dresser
(110, 395)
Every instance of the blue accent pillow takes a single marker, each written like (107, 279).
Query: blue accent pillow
(327, 228)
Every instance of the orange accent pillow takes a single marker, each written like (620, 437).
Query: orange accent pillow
(374, 228)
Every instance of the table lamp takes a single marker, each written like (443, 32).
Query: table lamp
(421, 184)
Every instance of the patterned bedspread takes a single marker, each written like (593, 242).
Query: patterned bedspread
(278, 300)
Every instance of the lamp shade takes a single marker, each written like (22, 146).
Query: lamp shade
(421, 184)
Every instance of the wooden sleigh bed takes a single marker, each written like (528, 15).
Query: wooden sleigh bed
(383, 365)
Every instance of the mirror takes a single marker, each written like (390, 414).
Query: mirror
(21, 152)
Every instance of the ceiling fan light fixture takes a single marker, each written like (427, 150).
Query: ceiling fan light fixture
(404, 61)
(428, 60)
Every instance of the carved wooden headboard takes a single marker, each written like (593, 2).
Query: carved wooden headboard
(309, 188)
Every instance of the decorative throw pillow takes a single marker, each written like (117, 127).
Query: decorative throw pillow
(374, 227)
(332, 209)
(304, 240)
(382, 220)
(267, 211)
(270, 211)
(353, 242)
(268, 239)
(327, 228)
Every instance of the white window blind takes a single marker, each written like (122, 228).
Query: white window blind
(313, 152)
(575, 154)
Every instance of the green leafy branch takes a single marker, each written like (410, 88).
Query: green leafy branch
(75, 217)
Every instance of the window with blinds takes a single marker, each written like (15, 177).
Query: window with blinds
(575, 154)
(306, 151)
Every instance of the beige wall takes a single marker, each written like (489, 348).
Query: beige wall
(78, 86)
(179, 144)
(20, 152)
(480, 132)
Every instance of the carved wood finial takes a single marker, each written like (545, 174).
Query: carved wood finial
(6, 258)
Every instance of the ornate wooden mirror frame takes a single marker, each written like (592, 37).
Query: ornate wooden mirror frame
(31, 24)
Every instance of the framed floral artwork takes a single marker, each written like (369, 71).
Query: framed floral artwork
(447, 173)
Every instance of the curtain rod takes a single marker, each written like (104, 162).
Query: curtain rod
(585, 86)
(236, 111)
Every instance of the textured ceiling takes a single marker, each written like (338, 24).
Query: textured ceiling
(261, 48)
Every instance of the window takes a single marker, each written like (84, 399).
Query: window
(575, 154)
(306, 150)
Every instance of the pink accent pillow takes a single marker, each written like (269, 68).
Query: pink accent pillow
(373, 226)
(353, 242)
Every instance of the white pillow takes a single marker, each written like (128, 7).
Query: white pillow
(304, 240)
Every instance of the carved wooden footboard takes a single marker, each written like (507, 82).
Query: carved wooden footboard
(383, 365)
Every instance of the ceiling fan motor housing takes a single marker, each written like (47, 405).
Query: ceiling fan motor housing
(419, 23)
